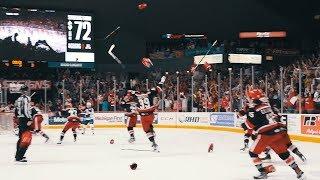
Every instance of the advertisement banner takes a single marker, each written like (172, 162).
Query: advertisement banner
(70, 65)
(189, 118)
(33, 85)
(202, 51)
(210, 59)
(167, 118)
(282, 52)
(293, 123)
(53, 120)
(245, 58)
(239, 121)
(222, 119)
(155, 120)
(272, 34)
(310, 124)
(109, 118)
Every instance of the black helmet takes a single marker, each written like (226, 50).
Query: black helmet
(24, 88)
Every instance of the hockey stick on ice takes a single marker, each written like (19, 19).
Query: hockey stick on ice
(215, 42)
(132, 149)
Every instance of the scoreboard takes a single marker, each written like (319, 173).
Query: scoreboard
(35, 35)
(79, 43)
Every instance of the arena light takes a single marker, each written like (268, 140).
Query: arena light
(12, 14)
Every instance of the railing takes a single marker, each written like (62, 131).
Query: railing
(291, 90)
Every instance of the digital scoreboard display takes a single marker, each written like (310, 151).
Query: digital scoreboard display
(46, 35)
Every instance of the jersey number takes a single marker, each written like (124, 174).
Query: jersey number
(144, 103)
(72, 112)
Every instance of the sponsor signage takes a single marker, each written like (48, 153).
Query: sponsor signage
(70, 65)
(193, 118)
(282, 52)
(167, 118)
(109, 118)
(222, 119)
(245, 51)
(310, 124)
(210, 59)
(245, 58)
(202, 51)
(57, 120)
(273, 34)
(155, 120)
(292, 122)
(33, 85)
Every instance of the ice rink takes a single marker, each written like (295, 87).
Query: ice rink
(183, 156)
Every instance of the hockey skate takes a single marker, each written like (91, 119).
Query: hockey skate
(301, 176)
(303, 158)
(132, 140)
(267, 157)
(60, 142)
(262, 175)
(245, 148)
(155, 147)
(23, 160)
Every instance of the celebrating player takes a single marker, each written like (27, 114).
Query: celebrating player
(73, 121)
(88, 118)
(271, 133)
(130, 106)
(37, 120)
(146, 109)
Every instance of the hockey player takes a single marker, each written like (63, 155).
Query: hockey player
(130, 105)
(250, 133)
(23, 114)
(146, 109)
(37, 120)
(88, 118)
(241, 115)
(73, 122)
(270, 133)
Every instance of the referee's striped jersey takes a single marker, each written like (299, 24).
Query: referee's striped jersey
(22, 107)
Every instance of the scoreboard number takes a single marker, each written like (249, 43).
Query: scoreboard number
(81, 26)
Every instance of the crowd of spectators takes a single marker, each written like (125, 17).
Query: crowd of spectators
(296, 90)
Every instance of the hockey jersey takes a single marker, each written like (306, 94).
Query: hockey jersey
(263, 119)
(88, 114)
(72, 114)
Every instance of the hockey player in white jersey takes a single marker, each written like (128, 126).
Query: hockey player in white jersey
(88, 118)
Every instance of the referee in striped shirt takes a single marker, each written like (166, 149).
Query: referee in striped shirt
(23, 113)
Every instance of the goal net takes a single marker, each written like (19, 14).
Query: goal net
(6, 122)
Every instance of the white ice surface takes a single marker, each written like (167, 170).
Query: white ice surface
(183, 156)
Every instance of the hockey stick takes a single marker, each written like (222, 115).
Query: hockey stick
(132, 149)
(215, 42)
(114, 56)
(32, 94)
(112, 32)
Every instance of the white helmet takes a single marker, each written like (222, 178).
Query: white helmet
(88, 104)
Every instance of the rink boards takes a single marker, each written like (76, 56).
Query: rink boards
(302, 127)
